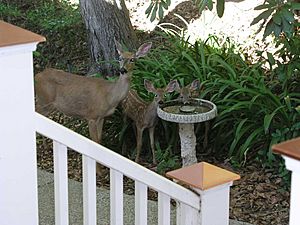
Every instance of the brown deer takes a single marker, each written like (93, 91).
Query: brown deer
(185, 93)
(144, 114)
(84, 97)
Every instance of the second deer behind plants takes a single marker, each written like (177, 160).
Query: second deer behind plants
(185, 93)
(144, 114)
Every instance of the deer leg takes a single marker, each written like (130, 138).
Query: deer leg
(124, 147)
(151, 136)
(139, 139)
(99, 126)
(93, 130)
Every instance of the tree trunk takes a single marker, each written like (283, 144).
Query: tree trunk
(106, 20)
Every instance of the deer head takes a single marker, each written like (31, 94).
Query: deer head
(186, 92)
(160, 92)
(127, 59)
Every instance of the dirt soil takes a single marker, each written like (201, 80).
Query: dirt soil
(261, 197)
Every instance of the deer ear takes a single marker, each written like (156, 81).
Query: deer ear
(143, 50)
(119, 47)
(195, 85)
(172, 86)
(149, 86)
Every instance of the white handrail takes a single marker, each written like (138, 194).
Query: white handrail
(114, 161)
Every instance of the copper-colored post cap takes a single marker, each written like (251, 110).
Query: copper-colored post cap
(13, 35)
(289, 148)
(203, 176)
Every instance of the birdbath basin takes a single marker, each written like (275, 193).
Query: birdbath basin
(186, 115)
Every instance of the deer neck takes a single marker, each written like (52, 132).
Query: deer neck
(121, 87)
(152, 107)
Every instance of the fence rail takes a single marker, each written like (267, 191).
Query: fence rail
(119, 167)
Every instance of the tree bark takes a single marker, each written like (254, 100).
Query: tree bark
(106, 20)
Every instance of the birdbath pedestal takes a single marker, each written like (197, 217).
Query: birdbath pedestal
(186, 115)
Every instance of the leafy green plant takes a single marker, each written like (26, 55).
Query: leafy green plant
(167, 160)
(278, 16)
(9, 12)
(61, 24)
(156, 8)
(254, 112)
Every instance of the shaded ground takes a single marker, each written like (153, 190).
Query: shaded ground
(259, 197)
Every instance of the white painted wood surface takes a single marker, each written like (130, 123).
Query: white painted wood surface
(18, 170)
(187, 215)
(114, 161)
(164, 210)
(141, 201)
(116, 197)
(215, 205)
(89, 191)
(60, 158)
(294, 166)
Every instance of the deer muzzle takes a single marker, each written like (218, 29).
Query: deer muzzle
(123, 70)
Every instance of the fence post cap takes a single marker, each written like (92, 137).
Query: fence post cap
(202, 176)
(13, 35)
(289, 148)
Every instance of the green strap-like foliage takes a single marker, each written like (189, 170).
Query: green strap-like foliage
(156, 7)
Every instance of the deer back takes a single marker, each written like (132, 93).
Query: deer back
(86, 97)
(134, 107)
(79, 96)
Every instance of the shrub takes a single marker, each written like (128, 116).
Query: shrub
(254, 112)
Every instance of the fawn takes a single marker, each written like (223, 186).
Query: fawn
(185, 93)
(144, 114)
(84, 97)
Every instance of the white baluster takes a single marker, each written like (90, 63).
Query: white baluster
(163, 209)
(89, 190)
(140, 203)
(116, 197)
(187, 215)
(61, 183)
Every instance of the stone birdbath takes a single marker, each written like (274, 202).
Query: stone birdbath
(186, 115)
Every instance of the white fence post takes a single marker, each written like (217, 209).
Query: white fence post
(18, 169)
(291, 153)
(213, 185)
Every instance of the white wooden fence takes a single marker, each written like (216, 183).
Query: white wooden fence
(119, 166)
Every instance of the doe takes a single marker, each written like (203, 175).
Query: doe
(84, 97)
